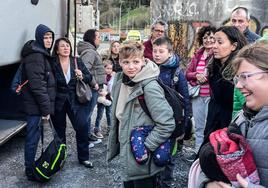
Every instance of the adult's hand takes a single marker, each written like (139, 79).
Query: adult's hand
(96, 87)
(201, 78)
(213, 184)
(47, 117)
(79, 74)
(242, 181)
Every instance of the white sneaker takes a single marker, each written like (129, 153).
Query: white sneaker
(98, 141)
(91, 145)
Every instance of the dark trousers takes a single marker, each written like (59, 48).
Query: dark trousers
(33, 135)
(100, 111)
(141, 183)
(78, 119)
(166, 177)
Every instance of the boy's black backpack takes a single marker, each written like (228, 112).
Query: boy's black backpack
(175, 100)
(52, 159)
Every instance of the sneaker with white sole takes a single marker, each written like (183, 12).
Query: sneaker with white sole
(97, 141)
(191, 158)
(97, 134)
(92, 138)
(91, 145)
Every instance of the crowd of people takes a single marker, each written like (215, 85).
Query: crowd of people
(227, 73)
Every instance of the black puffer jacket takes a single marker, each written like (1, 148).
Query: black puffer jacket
(39, 93)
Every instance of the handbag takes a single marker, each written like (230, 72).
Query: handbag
(52, 159)
(83, 91)
(193, 90)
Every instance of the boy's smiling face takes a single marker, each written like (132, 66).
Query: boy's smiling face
(161, 53)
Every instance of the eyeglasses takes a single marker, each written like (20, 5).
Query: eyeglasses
(243, 77)
(158, 31)
(208, 38)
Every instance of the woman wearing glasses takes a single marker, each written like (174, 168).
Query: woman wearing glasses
(196, 75)
(228, 41)
(251, 69)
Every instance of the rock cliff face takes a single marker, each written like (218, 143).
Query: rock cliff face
(185, 17)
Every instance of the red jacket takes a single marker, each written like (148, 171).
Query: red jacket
(191, 70)
(148, 49)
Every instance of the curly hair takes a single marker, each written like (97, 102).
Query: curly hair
(204, 30)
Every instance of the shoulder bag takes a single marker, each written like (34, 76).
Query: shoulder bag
(83, 91)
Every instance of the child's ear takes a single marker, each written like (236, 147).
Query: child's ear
(170, 53)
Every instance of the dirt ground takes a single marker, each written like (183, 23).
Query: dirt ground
(73, 175)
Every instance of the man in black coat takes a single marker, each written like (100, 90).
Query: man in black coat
(39, 93)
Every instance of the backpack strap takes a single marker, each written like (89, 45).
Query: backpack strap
(143, 105)
(175, 77)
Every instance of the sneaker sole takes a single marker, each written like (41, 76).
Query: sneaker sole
(97, 142)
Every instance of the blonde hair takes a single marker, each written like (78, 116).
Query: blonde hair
(131, 49)
(255, 54)
(107, 62)
(111, 45)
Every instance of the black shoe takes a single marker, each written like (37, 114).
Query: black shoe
(30, 176)
(191, 158)
(87, 164)
(92, 138)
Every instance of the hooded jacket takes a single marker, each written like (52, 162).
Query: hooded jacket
(166, 72)
(128, 114)
(255, 130)
(92, 60)
(39, 93)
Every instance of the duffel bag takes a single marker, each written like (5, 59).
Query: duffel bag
(52, 159)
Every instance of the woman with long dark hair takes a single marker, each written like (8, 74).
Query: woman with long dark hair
(228, 41)
(250, 67)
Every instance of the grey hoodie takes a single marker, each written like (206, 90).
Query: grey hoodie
(130, 115)
(92, 60)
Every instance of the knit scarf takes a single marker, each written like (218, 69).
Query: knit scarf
(127, 81)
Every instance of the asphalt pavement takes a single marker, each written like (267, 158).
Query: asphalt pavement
(73, 174)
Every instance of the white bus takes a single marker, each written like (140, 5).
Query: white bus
(18, 20)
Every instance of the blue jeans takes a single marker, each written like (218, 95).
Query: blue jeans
(91, 107)
(33, 135)
(100, 111)
(200, 111)
(78, 119)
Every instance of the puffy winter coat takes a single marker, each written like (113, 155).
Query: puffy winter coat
(39, 93)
